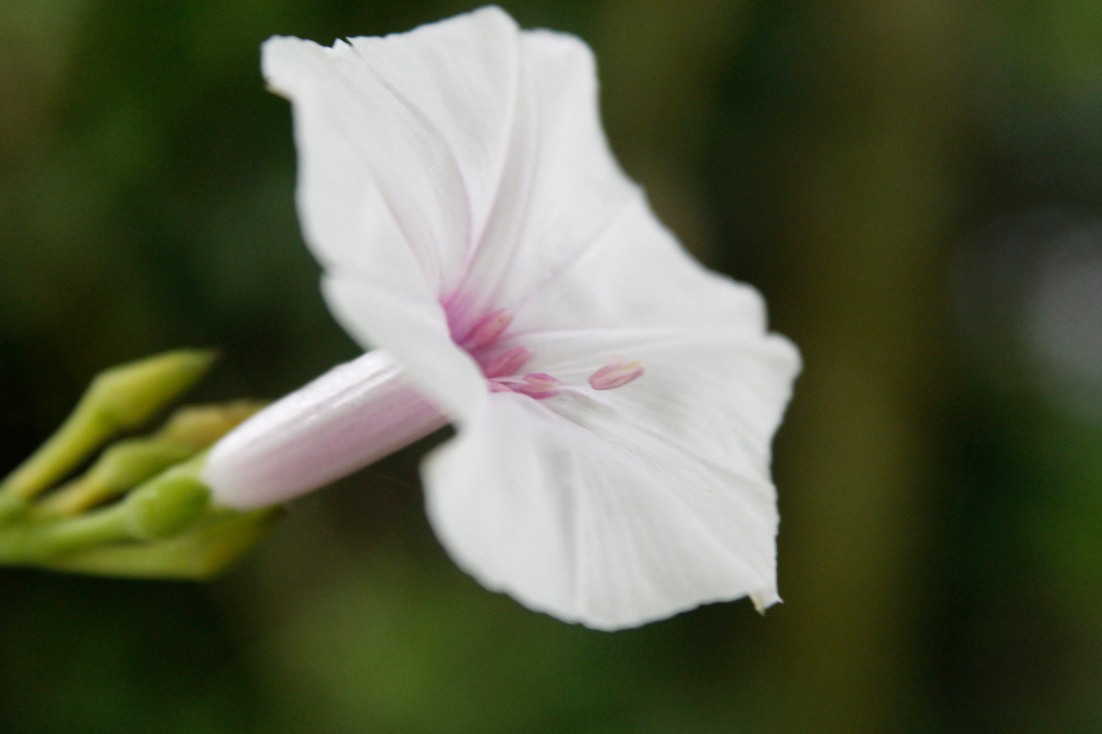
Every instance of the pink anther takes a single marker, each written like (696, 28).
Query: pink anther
(488, 329)
(508, 363)
(538, 385)
(615, 375)
(496, 386)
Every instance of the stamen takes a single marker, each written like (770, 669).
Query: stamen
(496, 386)
(538, 385)
(488, 329)
(508, 363)
(615, 375)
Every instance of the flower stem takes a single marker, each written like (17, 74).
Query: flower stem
(201, 552)
(119, 399)
(80, 435)
(159, 509)
(26, 544)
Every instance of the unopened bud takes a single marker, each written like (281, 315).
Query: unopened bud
(119, 399)
(119, 469)
(166, 505)
(127, 464)
(132, 393)
(199, 426)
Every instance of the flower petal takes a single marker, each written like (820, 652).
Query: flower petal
(417, 122)
(617, 507)
(416, 334)
(401, 141)
(597, 522)
(635, 274)
(716, 382)
(560, 186)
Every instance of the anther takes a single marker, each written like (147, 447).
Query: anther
(486, 331)
(615, 375)
(538, 385)
(508, 362)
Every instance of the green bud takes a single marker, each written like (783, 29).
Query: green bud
(121, 468)
(166, 506)
(119, 399)
(199, 426)
(130, 463)
(130, 394)
(127, 464)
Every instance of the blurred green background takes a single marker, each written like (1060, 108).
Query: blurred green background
(916, 187)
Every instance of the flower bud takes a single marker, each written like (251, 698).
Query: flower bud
(130, 394)
(119, 399)
(167, 505)
(199, 426)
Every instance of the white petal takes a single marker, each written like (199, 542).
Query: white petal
(715, 379)
(462, 163)
(416, 334)
(560, 187)
(344, 420)
(599, 523)
(418, 121)
(401, 141)
(618, 507)
(636, 275)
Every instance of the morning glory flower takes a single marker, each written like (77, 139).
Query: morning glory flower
(614, 402)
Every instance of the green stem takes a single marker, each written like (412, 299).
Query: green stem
(121, 468)
(78, 437)
(202, 552)
(36, 543)
(161, 508)
(118, 400)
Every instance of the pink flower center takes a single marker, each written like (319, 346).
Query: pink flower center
(502, 369)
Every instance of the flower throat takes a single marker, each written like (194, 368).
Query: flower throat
(503, 369)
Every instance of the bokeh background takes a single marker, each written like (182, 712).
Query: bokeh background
(916, 187)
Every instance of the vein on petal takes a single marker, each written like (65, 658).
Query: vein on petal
(353, 140)
(598, 238)
(474, 245)
(733, 556)
(433, 129)
(526, 168)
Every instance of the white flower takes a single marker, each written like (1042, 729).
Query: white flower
(456, 185)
